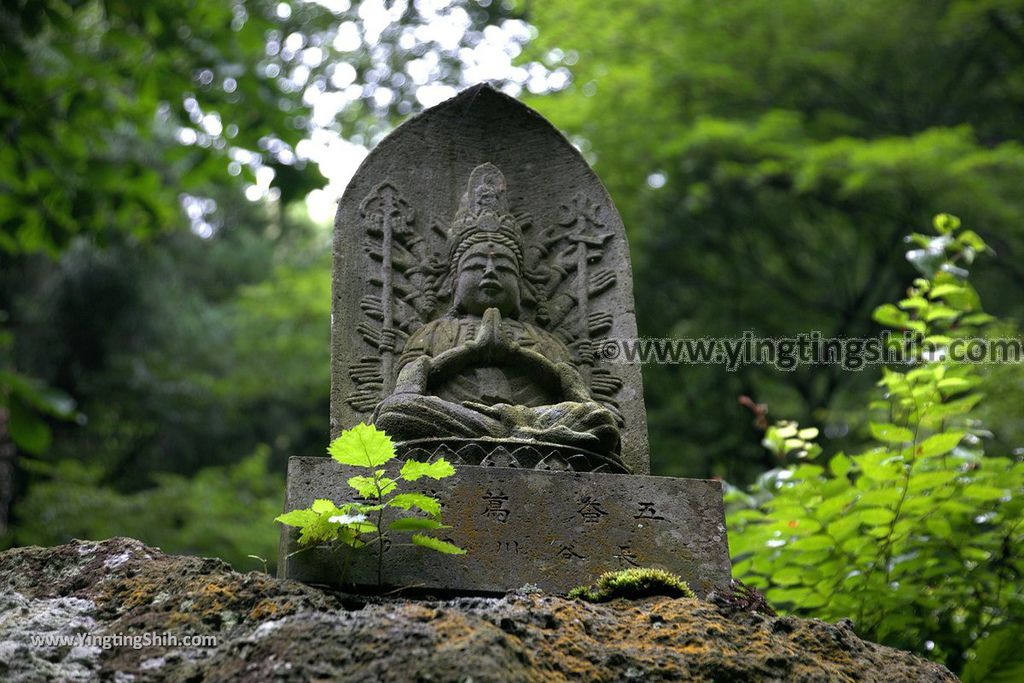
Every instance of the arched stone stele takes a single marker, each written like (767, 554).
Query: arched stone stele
(484, 169)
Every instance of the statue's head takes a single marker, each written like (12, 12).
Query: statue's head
(486, 248)
(487, 276)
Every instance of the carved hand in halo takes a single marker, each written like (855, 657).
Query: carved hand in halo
(584, 350)
(388, 341)
(602, 280)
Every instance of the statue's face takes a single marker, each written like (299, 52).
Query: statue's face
(487, 277)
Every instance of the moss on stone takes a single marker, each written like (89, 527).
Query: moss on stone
(633, 584)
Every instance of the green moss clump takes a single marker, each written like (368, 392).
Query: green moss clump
(633, 584)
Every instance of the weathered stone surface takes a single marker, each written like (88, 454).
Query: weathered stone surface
(270, 629)
(555, 530)
(482, 176)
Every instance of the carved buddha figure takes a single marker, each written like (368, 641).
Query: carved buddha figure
(481, 370)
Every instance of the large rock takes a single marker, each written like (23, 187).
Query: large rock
(271, 629)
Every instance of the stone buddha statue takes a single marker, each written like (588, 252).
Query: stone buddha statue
(482, 371)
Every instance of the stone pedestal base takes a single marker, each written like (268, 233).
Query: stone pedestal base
(555, 530)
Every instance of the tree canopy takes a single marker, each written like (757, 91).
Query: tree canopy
(164, 298)
(768, 159)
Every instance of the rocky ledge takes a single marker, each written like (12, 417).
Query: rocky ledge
(112, 610)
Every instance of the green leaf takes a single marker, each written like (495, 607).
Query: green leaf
(839, 465)
(939, 527)
(34, 395)
(878, 466)
(807, 472)
(983, 492)
(843, 527)
(890, 433)
(938, 413)
(937, 340)
(297, 518)
(941, 313)
(836, 503)
(888, 314)
(874, 516)
(319, 531)
(914, 303)
(350, 537)
(817, 542)
(362, 446)
(426, 503)
(439, 469)
(364, 486)
(791, 596)
(944, 289)
(972, 240)
(930, 480)
(951, 385)
(978, 319)
(998, 658)
(789, 576)
(415, 524)
(814, 601)
(361, 527)
(880, 497)
(368, 486)
(28, 431)
(945, 223)
(322, 505)
(437, 544)
(937, 444)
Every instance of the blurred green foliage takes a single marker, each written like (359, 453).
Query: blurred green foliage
(767, 158)
(94, 94)
(210, 513)
(173, 376)
(164, 307)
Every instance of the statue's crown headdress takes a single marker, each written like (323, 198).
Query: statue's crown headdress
(484, 215)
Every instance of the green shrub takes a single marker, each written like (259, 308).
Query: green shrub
(918, 538)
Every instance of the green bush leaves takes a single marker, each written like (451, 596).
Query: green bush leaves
(918, 538)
